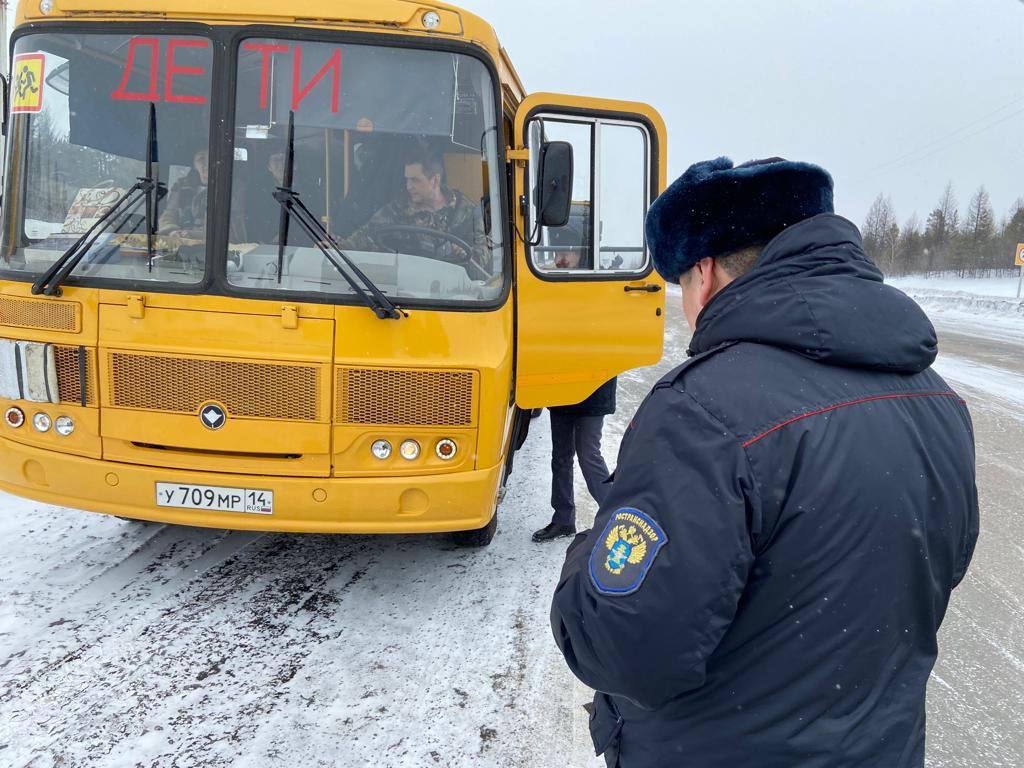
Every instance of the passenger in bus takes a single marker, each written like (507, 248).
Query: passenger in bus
(275, 167)
(185, 214)
(430, 206)
(569, 251)
(262, 211)
(375, 178)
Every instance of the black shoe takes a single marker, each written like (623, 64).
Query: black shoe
(553, 531)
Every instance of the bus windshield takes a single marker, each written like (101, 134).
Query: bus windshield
(394, 152)
(79, 139)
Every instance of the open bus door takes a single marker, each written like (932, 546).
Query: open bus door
(589, 305)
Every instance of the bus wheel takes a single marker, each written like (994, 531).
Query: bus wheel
(479, 537)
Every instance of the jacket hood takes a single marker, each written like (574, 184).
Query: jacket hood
(815, 291)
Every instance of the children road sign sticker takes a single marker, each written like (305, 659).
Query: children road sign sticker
(27, 82)
(1019, 261)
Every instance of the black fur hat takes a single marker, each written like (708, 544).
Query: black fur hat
(715, 209)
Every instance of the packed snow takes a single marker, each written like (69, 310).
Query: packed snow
(1003, 286)
(985, 307)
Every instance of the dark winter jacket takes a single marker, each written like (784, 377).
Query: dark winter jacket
(600, 403)
(790, 511)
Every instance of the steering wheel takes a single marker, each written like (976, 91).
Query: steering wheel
(406, 232)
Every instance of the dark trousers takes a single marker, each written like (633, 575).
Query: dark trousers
(579, 436)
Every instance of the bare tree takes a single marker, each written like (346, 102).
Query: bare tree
(1018, 204)
(980, 242)
(881, 233)
(911, 256)
(942, 227)
(944, 220)
(979, 231)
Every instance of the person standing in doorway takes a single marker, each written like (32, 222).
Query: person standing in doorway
(576, 431)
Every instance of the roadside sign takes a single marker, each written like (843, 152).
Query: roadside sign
(1018, 260)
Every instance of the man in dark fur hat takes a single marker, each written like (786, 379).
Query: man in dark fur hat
(792, 506)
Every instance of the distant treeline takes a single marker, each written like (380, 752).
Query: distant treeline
(967, 242)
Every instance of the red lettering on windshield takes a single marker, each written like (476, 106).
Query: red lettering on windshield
(267, 50)
(333, 63)
(122, 93)
(173, 69)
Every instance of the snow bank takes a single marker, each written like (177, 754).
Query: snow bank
(965, 301)
(985, 306)
(948, 282)
(1000, 383)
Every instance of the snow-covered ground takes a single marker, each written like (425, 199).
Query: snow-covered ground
(996, 382)
(998, 287)
(126, 644)
(986, 307)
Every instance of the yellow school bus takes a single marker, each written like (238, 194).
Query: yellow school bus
(304, 268)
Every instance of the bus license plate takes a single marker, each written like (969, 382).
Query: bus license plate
(215, 498)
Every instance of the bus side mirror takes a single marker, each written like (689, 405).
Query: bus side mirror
(554, 191)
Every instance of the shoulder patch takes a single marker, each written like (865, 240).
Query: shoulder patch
(625, 551)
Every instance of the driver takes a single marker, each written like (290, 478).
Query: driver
(427, 204)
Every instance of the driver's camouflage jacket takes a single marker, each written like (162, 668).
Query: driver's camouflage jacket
(459, 217)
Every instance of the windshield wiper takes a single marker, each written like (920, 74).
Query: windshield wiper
(145, 188)
(157, 190)
(291, 205)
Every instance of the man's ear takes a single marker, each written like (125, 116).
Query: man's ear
(708, 286)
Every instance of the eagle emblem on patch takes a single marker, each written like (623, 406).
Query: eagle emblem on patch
(625, 551)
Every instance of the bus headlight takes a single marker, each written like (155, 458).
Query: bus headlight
(410, 450)
(64, 425)
(430, 19)
(41, 422)
(446, 449)
(381, 449)
(14, 417)
(45, 7)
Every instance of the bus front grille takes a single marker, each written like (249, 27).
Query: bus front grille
(404, 397)
(69, 374)
(184, 385)
(45, 314)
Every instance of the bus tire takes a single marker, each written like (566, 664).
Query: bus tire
(479, 537)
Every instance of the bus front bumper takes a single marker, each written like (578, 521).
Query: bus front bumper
(422, 504)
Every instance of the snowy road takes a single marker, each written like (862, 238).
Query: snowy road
(976, 700)
(126, 644)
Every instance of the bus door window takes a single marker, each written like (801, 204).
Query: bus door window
(567, 248)
(610, 196)
(624, 198)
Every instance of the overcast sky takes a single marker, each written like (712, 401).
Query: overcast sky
(889, 97)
